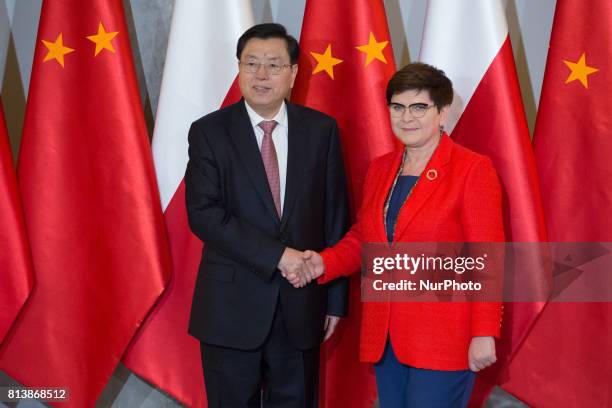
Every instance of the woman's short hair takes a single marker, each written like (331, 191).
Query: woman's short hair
(419, 76)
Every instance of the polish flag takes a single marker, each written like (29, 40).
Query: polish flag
(468, 39)
(15, 263)
(199, 77)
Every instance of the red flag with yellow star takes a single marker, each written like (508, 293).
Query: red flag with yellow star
(566, 359)
(91, 204)
(15, 265)
(346, 60)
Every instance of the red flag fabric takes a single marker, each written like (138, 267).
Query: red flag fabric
(469, 40)
(91, 204)
(15, 264)
(163, 352)
(566, 360)
(345, 63)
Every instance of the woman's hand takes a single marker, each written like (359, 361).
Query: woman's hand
(314, 263)
(481, 353)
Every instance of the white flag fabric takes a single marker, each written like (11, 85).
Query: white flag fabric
(200, 68)
(462, 38)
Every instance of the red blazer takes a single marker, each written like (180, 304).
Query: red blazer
(462, 204)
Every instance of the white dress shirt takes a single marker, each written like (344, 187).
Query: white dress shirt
(280, 139)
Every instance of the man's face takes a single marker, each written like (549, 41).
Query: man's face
(263, 90)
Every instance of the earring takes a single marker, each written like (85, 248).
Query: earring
(441, 129)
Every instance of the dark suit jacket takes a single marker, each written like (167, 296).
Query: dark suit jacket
(230, 208)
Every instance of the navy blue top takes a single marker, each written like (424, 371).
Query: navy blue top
(400, 192)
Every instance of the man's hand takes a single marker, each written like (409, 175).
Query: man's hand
(331, 322)
(481, 353)
(293, 268)
(314, 263)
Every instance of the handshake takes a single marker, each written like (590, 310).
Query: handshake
(300, 268)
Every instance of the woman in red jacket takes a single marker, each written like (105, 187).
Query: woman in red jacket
(429, 190)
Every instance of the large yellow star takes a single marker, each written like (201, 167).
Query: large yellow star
(373, 50)
(325, 62)
(56, 50)
(103, 40)
(579, 71)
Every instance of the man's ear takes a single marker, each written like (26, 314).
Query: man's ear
(294, 71)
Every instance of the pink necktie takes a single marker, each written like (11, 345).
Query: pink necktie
(270, 161)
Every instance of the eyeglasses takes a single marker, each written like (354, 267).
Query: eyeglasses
(417, 110)
(271, 68)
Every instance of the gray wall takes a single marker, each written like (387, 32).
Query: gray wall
(529, 23)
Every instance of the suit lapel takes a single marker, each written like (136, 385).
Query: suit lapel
(245, 143)
(429, 181)
(297, 148)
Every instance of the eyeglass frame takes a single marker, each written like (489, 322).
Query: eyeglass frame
(256, 65)
(410, 108)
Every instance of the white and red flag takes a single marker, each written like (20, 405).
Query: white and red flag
(199, 78)
(469, 40)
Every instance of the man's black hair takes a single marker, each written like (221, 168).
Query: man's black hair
(269, 30)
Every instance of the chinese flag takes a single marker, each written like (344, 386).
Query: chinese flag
(15, 264)
(566, 360)
(91, 204)
(345, 63)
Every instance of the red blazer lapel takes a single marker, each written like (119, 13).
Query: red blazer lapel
(385, 181)
(431, 178)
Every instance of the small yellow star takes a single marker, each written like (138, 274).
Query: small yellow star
(373, 50)
(103, 40)
(56, 50)
(579, 71)
(325, 62)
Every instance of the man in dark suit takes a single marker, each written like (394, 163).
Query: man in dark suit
(265, 180)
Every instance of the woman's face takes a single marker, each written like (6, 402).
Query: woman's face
(412, 130)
